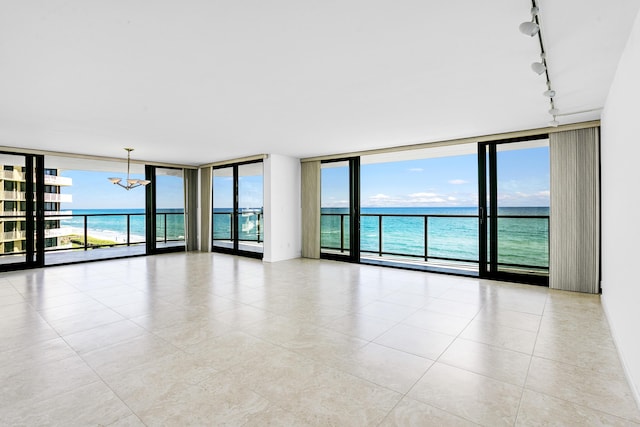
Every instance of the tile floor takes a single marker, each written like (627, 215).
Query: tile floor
(204, 339)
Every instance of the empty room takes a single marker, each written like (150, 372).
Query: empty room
(287, 213)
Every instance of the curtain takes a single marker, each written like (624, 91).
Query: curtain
(311, 209)
(205, 209)
(574, 234)
(190, 208)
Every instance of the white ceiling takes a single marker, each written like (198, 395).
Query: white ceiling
(193, 82)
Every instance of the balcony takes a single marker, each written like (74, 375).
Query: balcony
(441, 241)
(12, 176)
(9, 236)
(19, 196)
(57, 180)
(58, 232)
(89, 237)
(58, 198)
(14, 196)
(48, 179)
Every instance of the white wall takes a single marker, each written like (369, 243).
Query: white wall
(282, 235)
(620, 162)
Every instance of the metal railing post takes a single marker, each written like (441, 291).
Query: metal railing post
(165, 228)
(128, 229)
(426, 238)
(380, 235)
(258, 227)
(341, 232)
(85, 231)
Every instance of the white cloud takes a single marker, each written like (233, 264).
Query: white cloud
(451, 199)
(422, 195)
(379, 197)
(458, 181)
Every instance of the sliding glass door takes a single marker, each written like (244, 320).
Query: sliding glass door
(22, 214)
(238, 209)
(514, 209)
(165, 210)
(474, 209)
(340, 209)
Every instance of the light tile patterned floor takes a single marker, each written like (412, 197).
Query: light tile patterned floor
(209, 339)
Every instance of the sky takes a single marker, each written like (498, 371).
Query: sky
(92, 190)
(523, 180)
(250, 192)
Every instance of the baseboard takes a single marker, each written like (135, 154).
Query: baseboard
(625, 367)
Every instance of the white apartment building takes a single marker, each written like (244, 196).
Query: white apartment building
(13, 209)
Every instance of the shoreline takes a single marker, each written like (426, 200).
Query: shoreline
(113, 236)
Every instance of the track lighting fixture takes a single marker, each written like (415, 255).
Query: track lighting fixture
(530, 28)
(538, 67)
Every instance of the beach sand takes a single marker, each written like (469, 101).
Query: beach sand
(108, 235)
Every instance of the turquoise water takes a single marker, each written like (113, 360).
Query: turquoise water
(118, 223)
(250, 223)
(521, 241)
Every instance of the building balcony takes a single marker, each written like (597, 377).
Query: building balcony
(48, 179)
(14, 235)
(18, 196)
(13, 195)
(9, 236)
(58, 232)
(57, 180)
(12, 176)
(59, 214)
(58, 198)
(20, 215)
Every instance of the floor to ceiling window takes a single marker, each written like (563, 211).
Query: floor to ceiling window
(238, 208)
(166, 201)
(477, 209)
(515, 208)
(58, 210)
(420, 208)
(22, 230)
(339, 208)
(94, 219)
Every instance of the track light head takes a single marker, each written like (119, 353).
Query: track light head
(554, 112)
(554, 123)
(529, 28)
(538, 67)
(550, 93)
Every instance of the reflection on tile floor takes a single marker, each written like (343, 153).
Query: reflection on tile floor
(212, 339)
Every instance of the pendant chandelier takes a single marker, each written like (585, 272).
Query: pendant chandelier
(131, 183)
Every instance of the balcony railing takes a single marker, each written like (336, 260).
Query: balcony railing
(523, 240)
(250, 226)
(103, 230)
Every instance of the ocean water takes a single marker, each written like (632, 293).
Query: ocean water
(115, 220)
(250, 224)
(521, 241)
